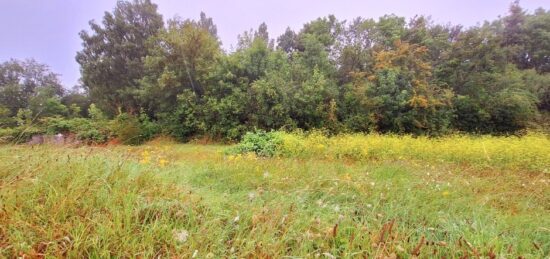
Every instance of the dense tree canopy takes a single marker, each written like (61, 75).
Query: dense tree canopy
(112, 58)
(386, 75)
(28, 87)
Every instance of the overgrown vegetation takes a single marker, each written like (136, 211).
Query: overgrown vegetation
(366, 138)
(126, 128)
(263, 144)
(403, 197)
(482, 151)
(389, 75)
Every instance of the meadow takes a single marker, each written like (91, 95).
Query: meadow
(346, 196)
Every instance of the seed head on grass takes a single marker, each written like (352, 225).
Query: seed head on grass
(180, 235)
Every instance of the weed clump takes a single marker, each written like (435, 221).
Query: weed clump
(261, 143)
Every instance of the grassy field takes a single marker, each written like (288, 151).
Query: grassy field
(349, 196)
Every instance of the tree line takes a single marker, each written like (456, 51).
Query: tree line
(389, 75)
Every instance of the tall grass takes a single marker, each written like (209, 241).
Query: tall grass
(173, 200)
(80, 204)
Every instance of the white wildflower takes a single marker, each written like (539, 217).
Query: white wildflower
(181, 235)
(251, 196)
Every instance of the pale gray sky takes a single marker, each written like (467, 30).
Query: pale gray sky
(47, 30)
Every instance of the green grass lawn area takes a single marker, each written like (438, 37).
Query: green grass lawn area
(185, 200)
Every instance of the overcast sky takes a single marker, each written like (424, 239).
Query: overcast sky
(47, 30)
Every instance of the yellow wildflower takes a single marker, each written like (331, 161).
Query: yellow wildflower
(144, 161)
(163, 162)
(251, 156)
(347, 177)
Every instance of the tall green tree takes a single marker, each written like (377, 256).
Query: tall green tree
(354, 49)
(537, 41)
(207, 23)
(30, 85)
(112, 58)
(271, 95)
(389, 29)
(406, 98)
(513, 35)
(181, 58)
(288, 41)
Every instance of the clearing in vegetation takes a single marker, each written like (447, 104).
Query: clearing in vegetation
(348, 196)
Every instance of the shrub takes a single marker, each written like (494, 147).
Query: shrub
(6, 135)
(265, 144)
(6, 120)
(133, 130)
(179, 124)
(87, 130)
(470, 116)
(20, 134)
(512, 110)
(56, 125)
(126, 129)
(149, 129)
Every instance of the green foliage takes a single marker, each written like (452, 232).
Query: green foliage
(7, 135)
(19, 134)
(271, 98)
(148, 128)
(405, 96)
(470, 116)
(512, 110)
(77, 102)
(181, 59)
(95, 113)
(24, 117)
(30, 85)
(87, 130)
(261, 143)
(112, 56)
(184, 122)
(538, 85)
(132, 130)
(5, 119)
(127, 129)
(387, 75)
(47, 107)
